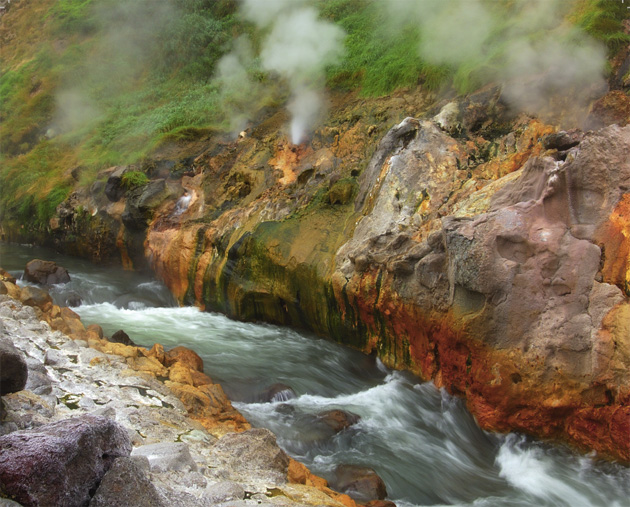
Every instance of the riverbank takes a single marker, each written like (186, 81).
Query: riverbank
(200, 450)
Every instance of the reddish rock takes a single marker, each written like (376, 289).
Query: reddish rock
(184, 356)
(45, 272)
(362, 484)
(338, 420)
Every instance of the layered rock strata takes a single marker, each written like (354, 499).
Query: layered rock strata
(83, 391)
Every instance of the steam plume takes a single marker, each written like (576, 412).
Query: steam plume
(526, 44)
(297, 47)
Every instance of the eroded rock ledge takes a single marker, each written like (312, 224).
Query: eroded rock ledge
(88, 400)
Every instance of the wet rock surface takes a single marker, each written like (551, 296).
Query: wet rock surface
(45, 272)
(116, 435)
(360, 483)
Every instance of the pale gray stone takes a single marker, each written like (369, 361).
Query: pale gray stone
(167, 456)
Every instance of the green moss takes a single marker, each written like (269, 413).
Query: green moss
(133, 179)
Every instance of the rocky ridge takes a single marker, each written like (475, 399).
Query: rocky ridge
(178, 439)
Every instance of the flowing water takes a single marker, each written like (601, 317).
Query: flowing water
(420, 440)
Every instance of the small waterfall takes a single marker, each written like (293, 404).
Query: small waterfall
(182, 204)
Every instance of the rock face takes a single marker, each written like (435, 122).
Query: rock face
(486, 252)
(13, 370)
(45, 272)
(73, 455)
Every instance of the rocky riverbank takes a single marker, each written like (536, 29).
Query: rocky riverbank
(90, 421)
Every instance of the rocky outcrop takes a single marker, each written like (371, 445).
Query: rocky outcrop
(184, 449)
(60, 463)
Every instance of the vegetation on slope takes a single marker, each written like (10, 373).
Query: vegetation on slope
(95, 83)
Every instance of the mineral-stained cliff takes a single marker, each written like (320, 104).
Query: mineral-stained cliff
(487, 252)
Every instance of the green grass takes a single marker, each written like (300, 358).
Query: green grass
(156, 83)
(133, 179)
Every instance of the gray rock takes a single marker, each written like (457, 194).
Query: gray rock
(126, 483)
(167, 456)
(5, 502)
(13, 369)
(224, 492)
(38, 380)
(253, 453)
(73, 455)
(45, 272)
(113, 188)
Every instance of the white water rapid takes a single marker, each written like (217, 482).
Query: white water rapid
(421, 441)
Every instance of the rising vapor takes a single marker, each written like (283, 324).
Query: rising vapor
(525, 44)
(297, 46)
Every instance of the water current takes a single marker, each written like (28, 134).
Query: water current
(421, 441)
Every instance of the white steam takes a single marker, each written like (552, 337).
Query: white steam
(297, 46)
(239, 92)
(529, 48)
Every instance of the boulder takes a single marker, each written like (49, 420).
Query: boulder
(34, 296)
(45, 272)
(338, 419)
(113, 188)
(563, 140)
(121, 337)
(185, 356)
(125, 483)
(5, 276)
(167, 456)
(142, 202)
(277, 392)
(362, 484)
(226, 491)
(13, 369)
(72, 454)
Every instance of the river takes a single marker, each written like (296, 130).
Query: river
(421, 441)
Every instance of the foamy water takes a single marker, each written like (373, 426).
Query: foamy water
(421, 441)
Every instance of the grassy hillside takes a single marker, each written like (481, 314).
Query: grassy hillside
(95, 83)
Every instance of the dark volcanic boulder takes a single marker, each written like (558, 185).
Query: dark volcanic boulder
(114, 189)
(362, 484)
(13, 369)
(45, 272)
(125, 483)
(141, 203)
(121, 337)
(60, 463)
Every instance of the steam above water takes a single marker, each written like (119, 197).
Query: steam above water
(297, 46)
